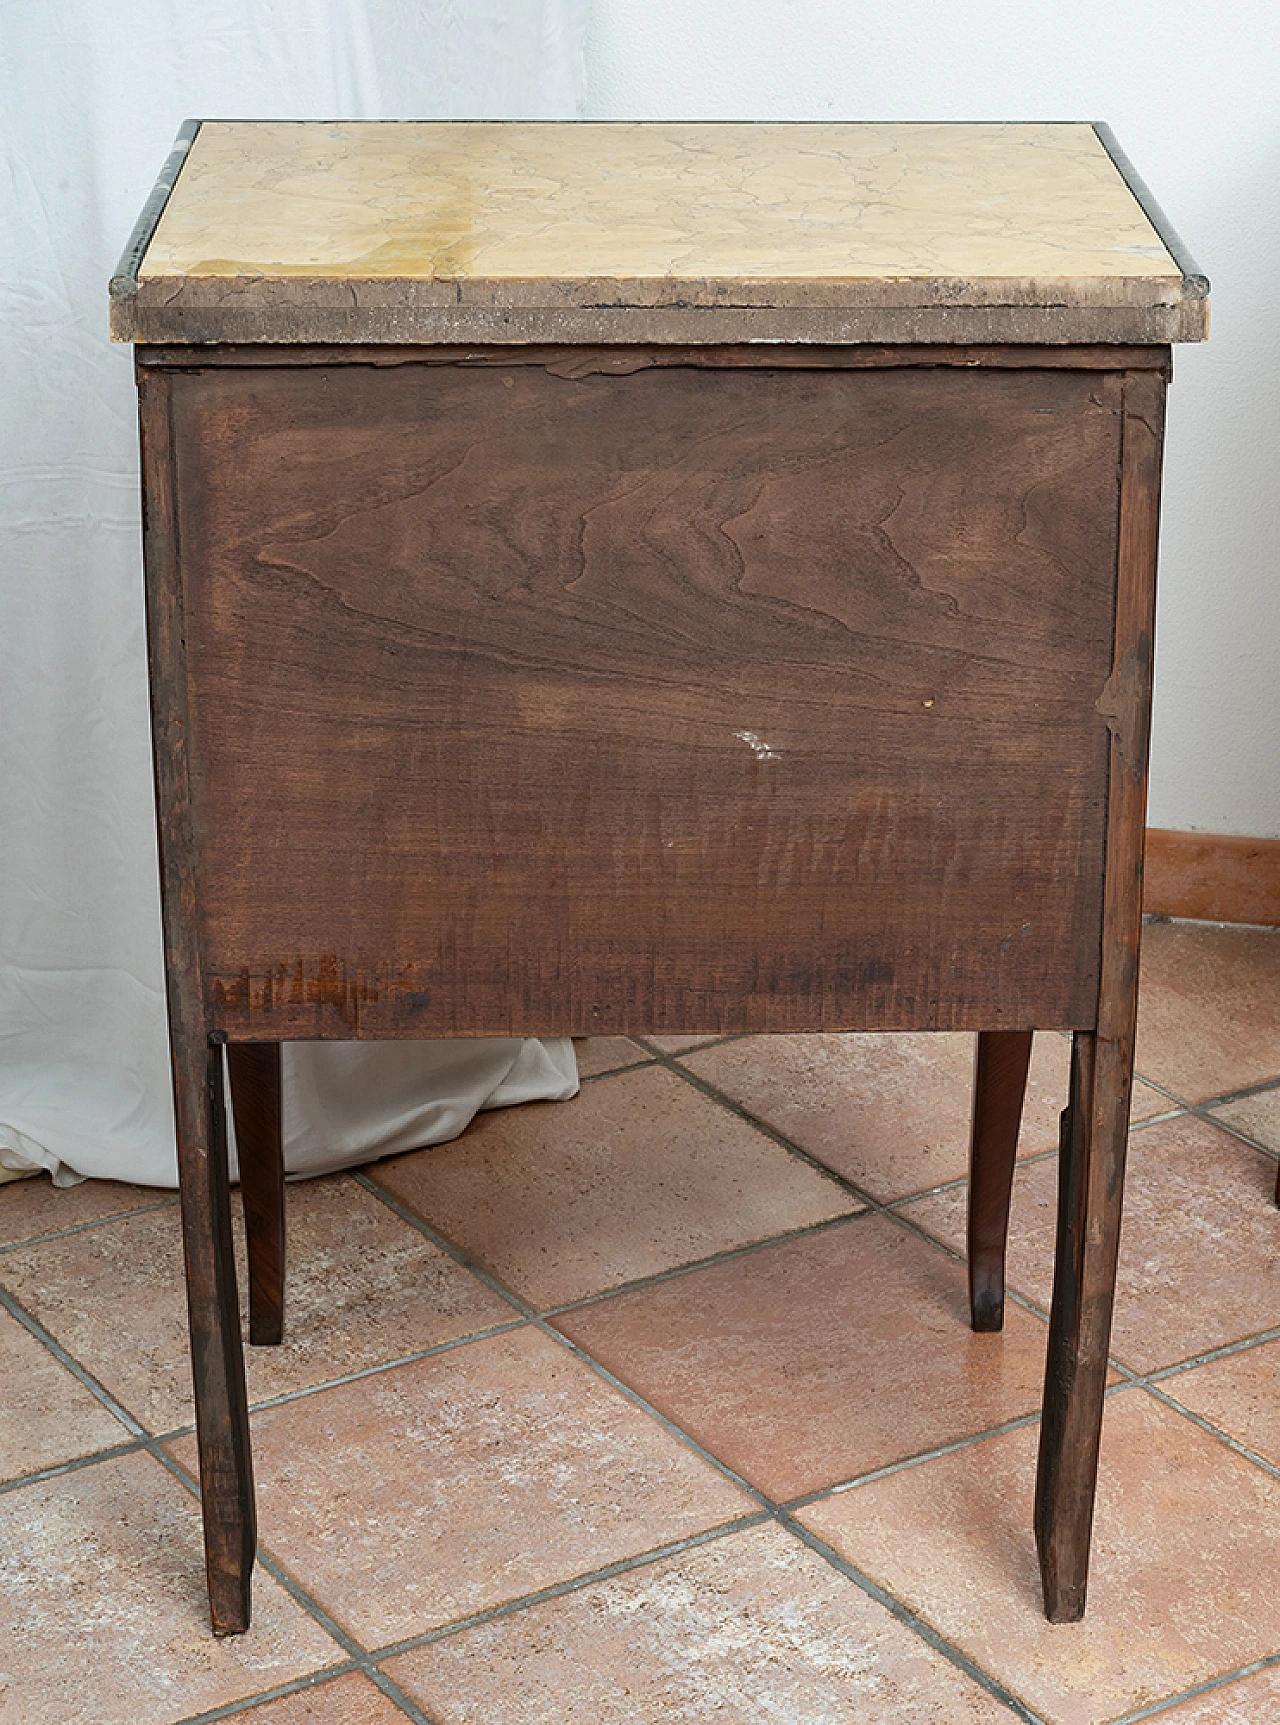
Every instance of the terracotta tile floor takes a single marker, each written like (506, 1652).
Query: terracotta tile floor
(660, 1405)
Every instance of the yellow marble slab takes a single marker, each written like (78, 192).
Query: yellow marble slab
(689, 232)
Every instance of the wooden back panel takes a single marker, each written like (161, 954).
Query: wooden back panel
(696, 699)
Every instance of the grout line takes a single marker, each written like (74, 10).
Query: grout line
(312, 1680)
(727, 1256)
(1026, 1161)
(640, 1065)
(84, 1227)
(1205, 1688)
(1234, 1131)
(899, 1610)
(575, 1584)
(298, 1395)
(358, 1656)
(890, 1468)
(649, 1043)
(1157, 1119)
(72, 1466)
(363, 1660)
(394, 1693)
(1211, 1354)
(672, 1064)
(1245, 1091)
(17, 1310)
(1212, 1430)
(459, 1256)
(154, 1448)
(912, 1620)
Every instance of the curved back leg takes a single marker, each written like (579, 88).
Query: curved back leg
(999, 1085)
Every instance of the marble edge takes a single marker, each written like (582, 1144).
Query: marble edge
(1194, 281)
(253, 323)
(124, 280)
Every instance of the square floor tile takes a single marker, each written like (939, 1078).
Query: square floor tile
(637, 1174)
(102, 1595)
(441, 1488)
(1186, 1549)
(362, 1287)
(32, 1207)
(1208, 1007)
(1199, 1244)
(598, 1054)
(349, 1700)
(751, 1628)
(46, 1416)
(1239, 1394)
(1258, 1117)
(818, 1358)
(890, 1113)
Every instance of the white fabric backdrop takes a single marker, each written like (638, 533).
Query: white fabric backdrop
(91, 96)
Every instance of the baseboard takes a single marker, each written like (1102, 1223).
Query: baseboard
(1214, 877)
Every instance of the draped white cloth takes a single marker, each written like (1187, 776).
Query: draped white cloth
(92, 96)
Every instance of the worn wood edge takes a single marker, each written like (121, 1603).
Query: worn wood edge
(123, 287)
(622, 359)
(236, 320)
(1212, 877)
(170, 726)
(1102, 1065)
(1195, 284)
(213, 1311)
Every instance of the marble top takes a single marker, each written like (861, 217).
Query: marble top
(492, 231)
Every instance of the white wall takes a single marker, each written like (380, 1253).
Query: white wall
(1191, 92)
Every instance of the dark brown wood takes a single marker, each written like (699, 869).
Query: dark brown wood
(534, 698)
(621, 358)
(1096, 1128)
(735, 701)
(217, 1361)
(999, 1085)
(257, 1099)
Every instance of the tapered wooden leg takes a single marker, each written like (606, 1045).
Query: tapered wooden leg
(999, 1085)
(1090, 1184)
(256, 1098)
(217, 1358)
(1095, 1126)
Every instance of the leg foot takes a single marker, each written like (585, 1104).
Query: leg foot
(1091, 1180)
(999, 1085)
(217, 1359)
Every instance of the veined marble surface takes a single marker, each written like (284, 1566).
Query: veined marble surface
(498, 217)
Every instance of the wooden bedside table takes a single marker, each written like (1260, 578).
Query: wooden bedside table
(658, 578)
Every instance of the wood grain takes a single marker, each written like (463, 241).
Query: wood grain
(675, 701)
(217, 1359)
(1095, 1135)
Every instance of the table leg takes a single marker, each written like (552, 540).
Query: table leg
(999, 1085)
(256, 1098)
(1096, 1123)
(1090, 1184)
(217, 1358)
